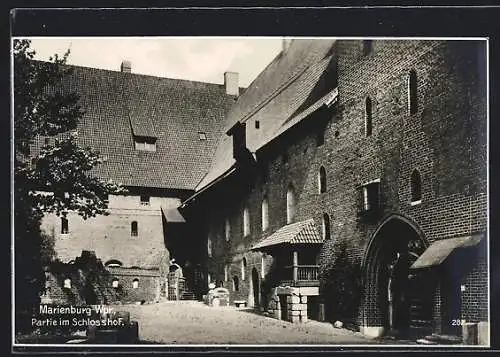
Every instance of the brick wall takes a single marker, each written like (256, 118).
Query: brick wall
(445, 140)
(110, 236)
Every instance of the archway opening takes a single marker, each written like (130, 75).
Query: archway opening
(256, 288)
(397, 302)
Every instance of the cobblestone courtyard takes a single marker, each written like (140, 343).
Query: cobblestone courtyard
(196, 323)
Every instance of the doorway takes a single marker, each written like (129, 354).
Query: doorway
(256, 287)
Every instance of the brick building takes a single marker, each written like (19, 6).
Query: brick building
(351, 177)
(156, 137)
(348, 180)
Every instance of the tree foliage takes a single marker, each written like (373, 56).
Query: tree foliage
(53, 177)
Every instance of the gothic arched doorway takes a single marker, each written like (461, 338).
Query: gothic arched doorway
(256, 287)
(396, 300)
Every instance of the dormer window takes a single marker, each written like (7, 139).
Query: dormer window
(202, 135)
(145, 143)
(238, 132)
(257, 124)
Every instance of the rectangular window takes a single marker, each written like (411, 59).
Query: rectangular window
(145, 200)
(202, 135)
(371, 196)
(64, 225)
(144, 143)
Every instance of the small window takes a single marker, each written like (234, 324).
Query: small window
(226, 272)
(290, 204)
(134, 229)
(368, 116)
(326, 226)
(412, 92)
(416, 187)
(236, 283)
(265, 214)
(257, 124)
(246, 222)
(262, 266)
(209, 247)
(115, 283)
(135, 283)
(227, 230)
(143, 143)
(371, 196)
(322, 180)
(202, 135)
(67, 283)
(367, 47)
(64, 225)
(145, 200)
(243, 268)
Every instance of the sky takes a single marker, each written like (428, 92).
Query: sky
(197, 59)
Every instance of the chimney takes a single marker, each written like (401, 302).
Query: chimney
(126, 67)
(231, 83)
(285, 43)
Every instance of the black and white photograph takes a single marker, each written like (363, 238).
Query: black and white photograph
(243, 190)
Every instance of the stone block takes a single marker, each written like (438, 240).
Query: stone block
(483, 337)
(303, 299)
(295, 319)
(469, 333)
(277, 314)
(294, 312)
(294, 299)
(304, 318)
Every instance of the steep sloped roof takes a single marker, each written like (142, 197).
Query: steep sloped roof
(120, 105)
(293, 82)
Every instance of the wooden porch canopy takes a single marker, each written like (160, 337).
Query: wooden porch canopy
(303, 232)
(439, 251)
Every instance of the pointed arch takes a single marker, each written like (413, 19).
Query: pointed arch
(322, 179)
(368, 116)
(416, 186)
(265, 213)
(290, 204)
(326, 226)
(412, 92)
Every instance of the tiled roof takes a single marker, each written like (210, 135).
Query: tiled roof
(119, 105)
(292, 83)
(441, 249)
(303, 232)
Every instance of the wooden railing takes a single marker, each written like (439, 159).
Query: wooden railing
(302, 272)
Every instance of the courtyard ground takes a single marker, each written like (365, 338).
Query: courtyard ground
(195, 323)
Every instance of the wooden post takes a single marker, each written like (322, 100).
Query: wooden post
(295, 265)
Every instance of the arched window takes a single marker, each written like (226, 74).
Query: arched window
(416, 186)
(368, 116)
(265, 214)
(67, 283)
(135, 283)
(134, 229)
(113, 263)
(64, 225)
(322, 180)
(226, 272)
(246, 222)
(263, 266)
(227, 230)
(243, 268)
(412, 92)
(236, 283)
(326, 226)
(290, 204)
(209, 246)
(115, 283)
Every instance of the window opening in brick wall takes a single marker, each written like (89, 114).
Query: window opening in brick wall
(322, 180)
(145, 200)
(236, 283)
(135, 283)
(412, 92)
(209, 246)
(326, 226)
(371, 196)
(263, 266)
(265, 214)
(290, 204)
(134, 229)
(257, 124)
(67, 283)
(64, 225)
(243, 268)
(227, 230)
(115, 283)
(246, 222)
(367, 47)
(226, 272)
(202, 135)
(416, 187)
(368, 117)
(145, 143)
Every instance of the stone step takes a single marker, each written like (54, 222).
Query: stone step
(444, 339)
